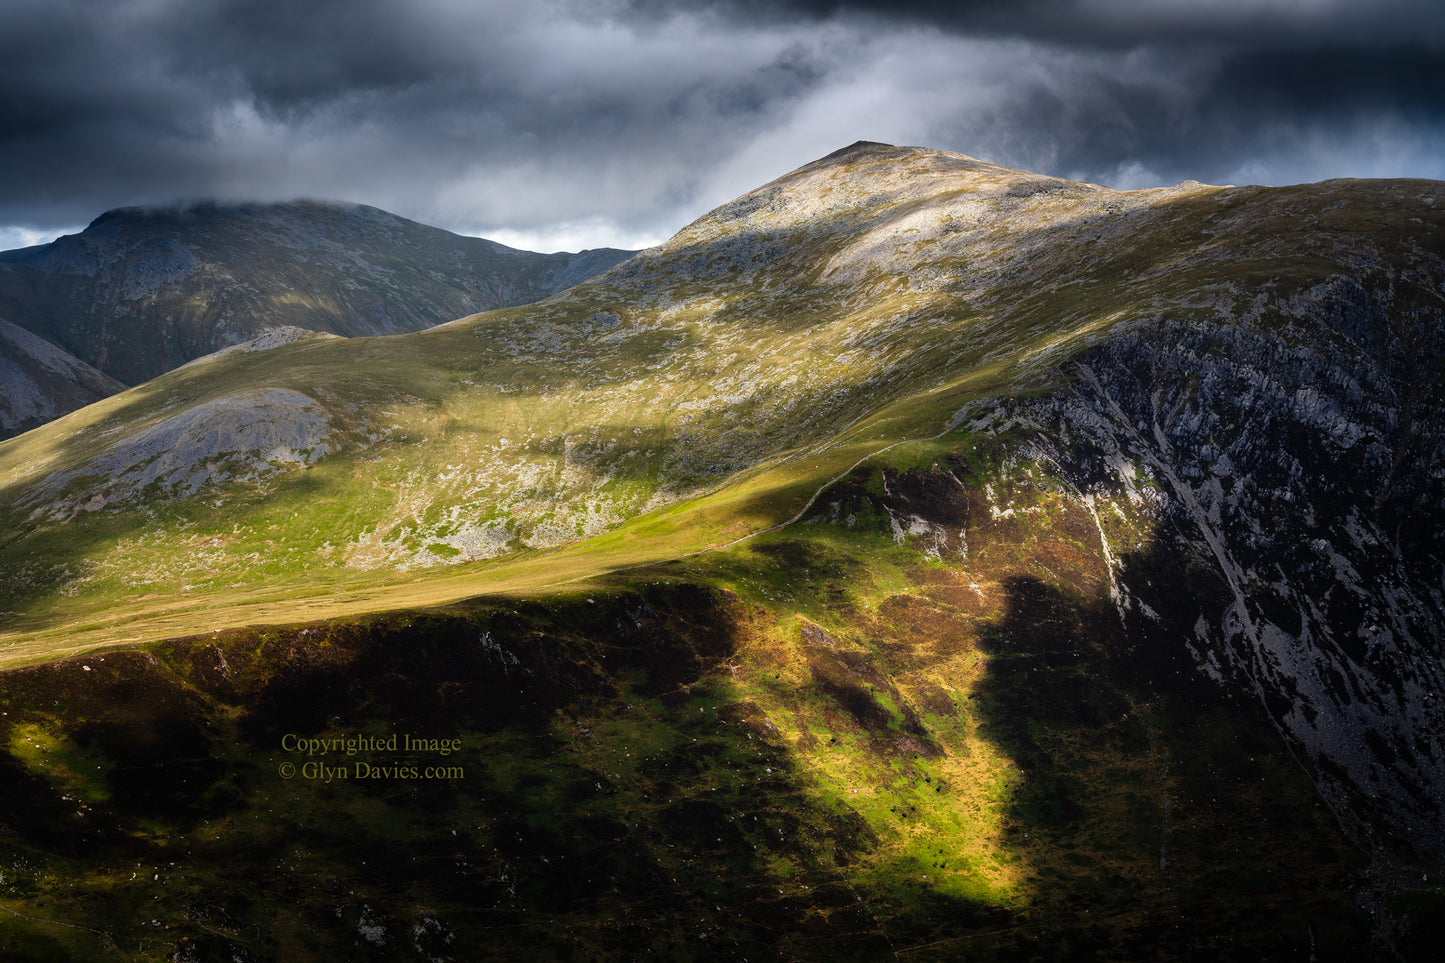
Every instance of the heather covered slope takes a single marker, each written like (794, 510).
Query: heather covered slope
(683, 772)
(1048, 547)
(141, 291)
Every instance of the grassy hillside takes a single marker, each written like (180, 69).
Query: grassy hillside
(824, 744)
(894, 562)
(700, 392)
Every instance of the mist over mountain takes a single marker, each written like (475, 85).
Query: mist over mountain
(911, 556)
(143, 290)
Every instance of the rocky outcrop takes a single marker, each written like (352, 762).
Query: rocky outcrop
(1295, 459)
(238, 437)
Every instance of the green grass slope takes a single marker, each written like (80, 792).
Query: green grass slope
(698, 393)
(823, 744)
(784, 590)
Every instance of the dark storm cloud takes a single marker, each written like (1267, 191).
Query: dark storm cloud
(500, 114)
(1325, 81)
(1275, 89)
(1275, 115)
(589, 121)
(1106, 23)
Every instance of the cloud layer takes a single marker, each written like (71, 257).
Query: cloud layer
(595, 122)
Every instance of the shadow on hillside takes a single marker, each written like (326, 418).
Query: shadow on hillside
(610, 798)
(1166, 817)
(616, 797)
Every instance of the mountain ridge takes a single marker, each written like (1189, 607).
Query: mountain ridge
(1098, 510)
(142, 290)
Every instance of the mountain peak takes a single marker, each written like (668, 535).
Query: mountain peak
(867, 152)
(856, 150)
(873, 205)
(301, 216)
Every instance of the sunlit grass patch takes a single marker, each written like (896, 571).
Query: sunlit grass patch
(77, 771)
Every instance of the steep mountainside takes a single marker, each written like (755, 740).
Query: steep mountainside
(912, 556)
(39, 382)
(141, 291)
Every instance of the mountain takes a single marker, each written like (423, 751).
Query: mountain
(141, 291)
(913, 556)
(40, 382)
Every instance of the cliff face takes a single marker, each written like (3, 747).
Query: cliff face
(1294, 461)
(1258, 500)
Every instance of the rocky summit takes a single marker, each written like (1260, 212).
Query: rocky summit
(911, 558)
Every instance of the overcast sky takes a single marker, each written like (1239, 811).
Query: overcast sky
(562, 124)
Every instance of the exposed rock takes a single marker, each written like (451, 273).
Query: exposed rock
(40, 381)
(1307, 475)
(239, 437)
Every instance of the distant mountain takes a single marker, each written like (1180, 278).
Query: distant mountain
(141, 291)
(914, 557)
(40, 382)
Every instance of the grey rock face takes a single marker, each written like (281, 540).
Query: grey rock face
(238, 437)
(1300, 455)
